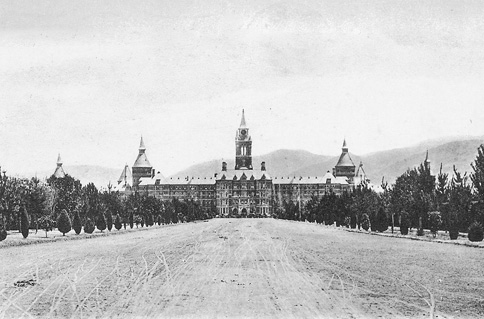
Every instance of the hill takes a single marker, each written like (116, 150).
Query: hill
(460, 152)
(389, 164)
(98, 175)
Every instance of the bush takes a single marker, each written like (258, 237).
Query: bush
(117, 222)
(435, 222)
(109, 221)
(64, 223)
(3, 233)
(24, 223)
(475, 232)
(89, 227)
(453, 231)
(101, 222)
(382, 221)
(404, 223)
(365, 222)
(159, 220)
(76, 223)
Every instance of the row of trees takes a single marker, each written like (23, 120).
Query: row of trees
(417, 200)
(58, 202)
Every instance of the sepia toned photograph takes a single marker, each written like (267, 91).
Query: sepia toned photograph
(241, 159)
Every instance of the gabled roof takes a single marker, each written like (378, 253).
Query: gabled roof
(345, 160)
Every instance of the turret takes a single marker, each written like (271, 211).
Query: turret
(141, 167)
(345, 166)
(59, 171)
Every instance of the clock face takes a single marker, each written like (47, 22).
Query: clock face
(243, 132)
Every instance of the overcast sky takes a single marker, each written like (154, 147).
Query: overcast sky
(88, 78)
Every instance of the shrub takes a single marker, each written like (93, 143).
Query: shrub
(76, 223)
(365, 222)
(150, 220)
(64, 223)
(453, 231)
(404, 223)
(117, 222)
(475, 232)
(24, 223)
(159, 220)
(89, 227)
(435, 222)
(101, 222)
(109, 221)
(382, 221)
(3, 232)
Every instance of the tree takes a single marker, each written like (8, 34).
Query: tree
(460, 198)
(365, 222)
(109, 221)
(76, 223)
(404, 223)
(24, 222)
(131, 220)
(64, 223)
(101, 222)
(477, 177)
(89, 227)
(46, 223)
(3, 232)
(117, 222)
(435, 222)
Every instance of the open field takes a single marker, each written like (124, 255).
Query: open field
(242, 268)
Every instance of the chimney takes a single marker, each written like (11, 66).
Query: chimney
(263, 166)
(224, 166)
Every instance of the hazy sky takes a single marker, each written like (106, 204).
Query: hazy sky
(87, 78)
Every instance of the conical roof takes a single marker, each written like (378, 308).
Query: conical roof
(242, 121)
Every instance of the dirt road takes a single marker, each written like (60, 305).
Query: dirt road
(242, 268)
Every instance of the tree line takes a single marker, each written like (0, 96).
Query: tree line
(66, 204)
(416, 200)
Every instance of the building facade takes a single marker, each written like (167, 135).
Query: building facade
(241, 191)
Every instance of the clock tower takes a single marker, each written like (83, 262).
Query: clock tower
(243, 146)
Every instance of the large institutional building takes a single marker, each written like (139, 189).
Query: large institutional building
(242, 190)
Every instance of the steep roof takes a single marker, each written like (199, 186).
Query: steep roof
(142, 160)
(125, 178)
(345, 158)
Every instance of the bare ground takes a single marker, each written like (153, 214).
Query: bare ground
(242, 268)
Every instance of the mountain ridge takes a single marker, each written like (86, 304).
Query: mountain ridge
(389, 164)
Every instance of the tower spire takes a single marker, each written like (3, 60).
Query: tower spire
(242, 121)
(345, 147)
(142, 144)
